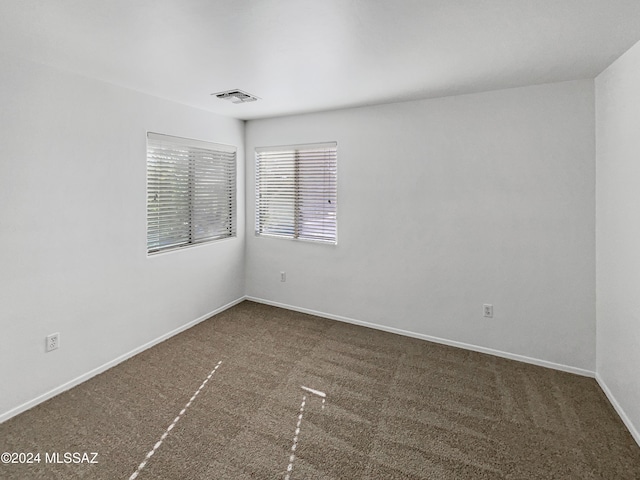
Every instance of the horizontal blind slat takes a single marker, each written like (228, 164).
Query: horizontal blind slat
(191, 191)
(296, 191)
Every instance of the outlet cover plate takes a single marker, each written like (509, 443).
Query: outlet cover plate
(53, 342)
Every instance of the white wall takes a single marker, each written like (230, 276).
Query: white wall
(73, 228)
(618, 234)
(444, 205)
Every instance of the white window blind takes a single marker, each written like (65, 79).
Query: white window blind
(296, 192)
(191, 192)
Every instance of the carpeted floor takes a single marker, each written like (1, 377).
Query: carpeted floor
(395, 408)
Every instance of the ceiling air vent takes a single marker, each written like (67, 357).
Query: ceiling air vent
(236, 96)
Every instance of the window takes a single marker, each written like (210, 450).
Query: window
(296, 192)
(191, 192)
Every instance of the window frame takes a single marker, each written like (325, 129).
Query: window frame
(296, 230)
(199, 208)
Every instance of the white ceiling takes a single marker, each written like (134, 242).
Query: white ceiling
(309, 55)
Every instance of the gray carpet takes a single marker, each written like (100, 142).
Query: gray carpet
(395, 408)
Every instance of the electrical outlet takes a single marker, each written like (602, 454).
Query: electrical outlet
(53, 341)
(283, 276)
(488, 310)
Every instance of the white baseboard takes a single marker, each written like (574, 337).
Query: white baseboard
(623, 415)
(92, 373)
(429, 338)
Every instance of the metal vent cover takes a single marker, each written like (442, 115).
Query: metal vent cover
(236, 96)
